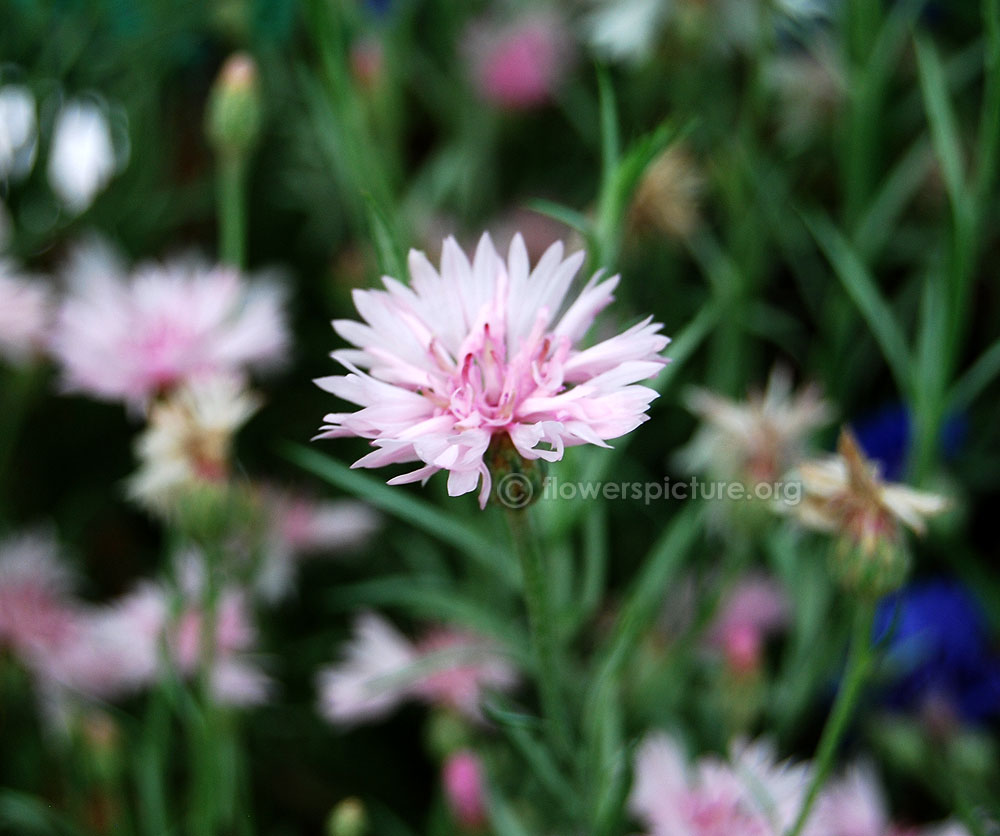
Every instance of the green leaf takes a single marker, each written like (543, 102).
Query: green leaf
(398, 503)
(944, 129)
(388, 252)
(861, 287)
(573, 219)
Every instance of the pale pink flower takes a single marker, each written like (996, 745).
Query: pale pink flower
(855, 805)
(520, 64)
(462, 777)
(127, 645)
(750, 794)
(381, 669)
(299, 527)
(25, 315)
(487, 350)
(754, 609)
(37, 613)
(130, 338)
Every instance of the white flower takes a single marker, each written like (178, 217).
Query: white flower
(82, 159)
(18, 131)
(625, 30)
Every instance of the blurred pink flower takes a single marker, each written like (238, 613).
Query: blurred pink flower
(482, 350)
(855, 805)
(381, 669)
(751, 794)
(124, 646)
(298, 527)
(37, 613)
(26, 311)
(463, 789)
(129, 338)
(519, 65)
(755, 608)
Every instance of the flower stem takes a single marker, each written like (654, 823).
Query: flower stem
(859, 661)
(542, 623)
(232, 209)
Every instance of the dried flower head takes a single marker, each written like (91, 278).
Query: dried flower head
(758, 439)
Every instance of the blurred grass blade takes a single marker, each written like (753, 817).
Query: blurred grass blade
(429, 599)
(899, 187)
(972, 384)
(940, 116)
(610, 141)
(418, 513)
(503, 820)
(539, 759)
(861, 287)
(388, 250)
(573, 219)
(641, 604)
(22, 814)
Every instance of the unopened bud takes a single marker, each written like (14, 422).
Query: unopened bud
(234, 106)
(872, 565)
(463, 787)
(348, 818)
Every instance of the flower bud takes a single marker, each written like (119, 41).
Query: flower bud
(871, 565)
(234, 107)
(348, 818)
(463, 788)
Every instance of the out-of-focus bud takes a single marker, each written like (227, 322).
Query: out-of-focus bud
(873, 564)
(234, 107)
(102, 737)
(667, 198)
(348, 818)
(368, 62)
(846, 496)
(463, 789)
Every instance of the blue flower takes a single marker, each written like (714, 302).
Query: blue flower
(887, 435)
(938, 647)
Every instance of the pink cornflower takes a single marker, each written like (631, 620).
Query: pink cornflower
(37, 613)
(130, 338)
(750, 794)
(462, 777)
(519, 65)
(381, 669)
(487, 350)
(25, 315)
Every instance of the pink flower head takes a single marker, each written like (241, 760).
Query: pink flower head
(519, 65)
(485, 349)
(36, 612)
(463, 789)
(381, 669)
(748, 795)
(754, 609)
(25, 315)
(128, 339)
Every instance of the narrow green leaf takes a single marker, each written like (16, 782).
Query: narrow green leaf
(941, 117)
(388, 251)
(417, 512)
(571, 217)
(861, 287)
(22, 814)
(975, 380)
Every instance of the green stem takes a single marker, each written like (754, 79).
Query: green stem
(542, 622)
(231, 196)
(858, 665)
